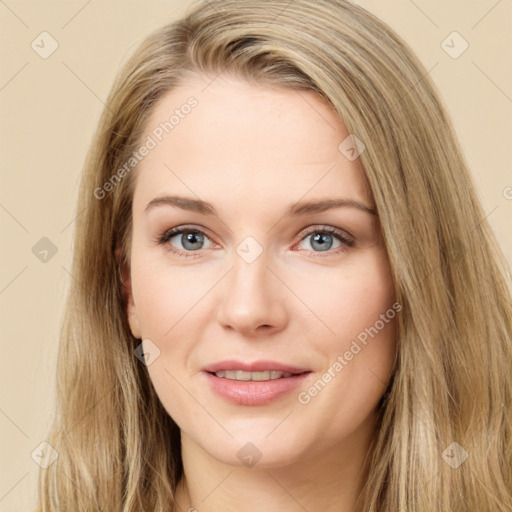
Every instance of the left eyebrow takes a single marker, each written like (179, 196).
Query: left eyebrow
(296, 209)
(327, 204)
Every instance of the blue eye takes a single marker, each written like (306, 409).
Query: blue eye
(191, 240)
(322, 240)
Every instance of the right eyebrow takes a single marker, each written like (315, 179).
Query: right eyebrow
(185, 203)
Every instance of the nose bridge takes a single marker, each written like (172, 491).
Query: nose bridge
(251, 295)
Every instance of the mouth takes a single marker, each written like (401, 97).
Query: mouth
(242, 375)
(257, 383)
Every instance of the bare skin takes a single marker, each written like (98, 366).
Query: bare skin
(251, 152)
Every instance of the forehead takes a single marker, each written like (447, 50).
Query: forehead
(227, 137)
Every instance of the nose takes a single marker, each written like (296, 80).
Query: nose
(252, 299)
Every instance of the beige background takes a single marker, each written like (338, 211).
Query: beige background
(49, 109)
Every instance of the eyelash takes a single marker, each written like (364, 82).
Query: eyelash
(171, 233)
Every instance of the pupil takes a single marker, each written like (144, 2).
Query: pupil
(192, 238)
(320, 239)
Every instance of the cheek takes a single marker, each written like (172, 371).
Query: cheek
(165, 300)
(351, 298)
(164, 296)
(357, 333)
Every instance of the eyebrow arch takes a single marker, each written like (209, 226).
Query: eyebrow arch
(304, 208)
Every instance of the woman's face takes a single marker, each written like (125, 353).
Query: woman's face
(280, 275)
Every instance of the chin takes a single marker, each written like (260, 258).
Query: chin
(255, 448)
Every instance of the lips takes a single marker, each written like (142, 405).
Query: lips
(256, 383)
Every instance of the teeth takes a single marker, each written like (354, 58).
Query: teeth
(257, 376)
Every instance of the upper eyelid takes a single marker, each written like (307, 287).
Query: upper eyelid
(180, 229)
(326, 228)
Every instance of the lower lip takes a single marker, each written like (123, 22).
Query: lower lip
(253, 392)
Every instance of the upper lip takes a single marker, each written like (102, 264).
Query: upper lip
(255, 366)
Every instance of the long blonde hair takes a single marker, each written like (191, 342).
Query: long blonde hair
(118, 448)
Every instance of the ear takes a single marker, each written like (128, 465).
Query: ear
(131, 310)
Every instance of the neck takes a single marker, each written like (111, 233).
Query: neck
(328, 481)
